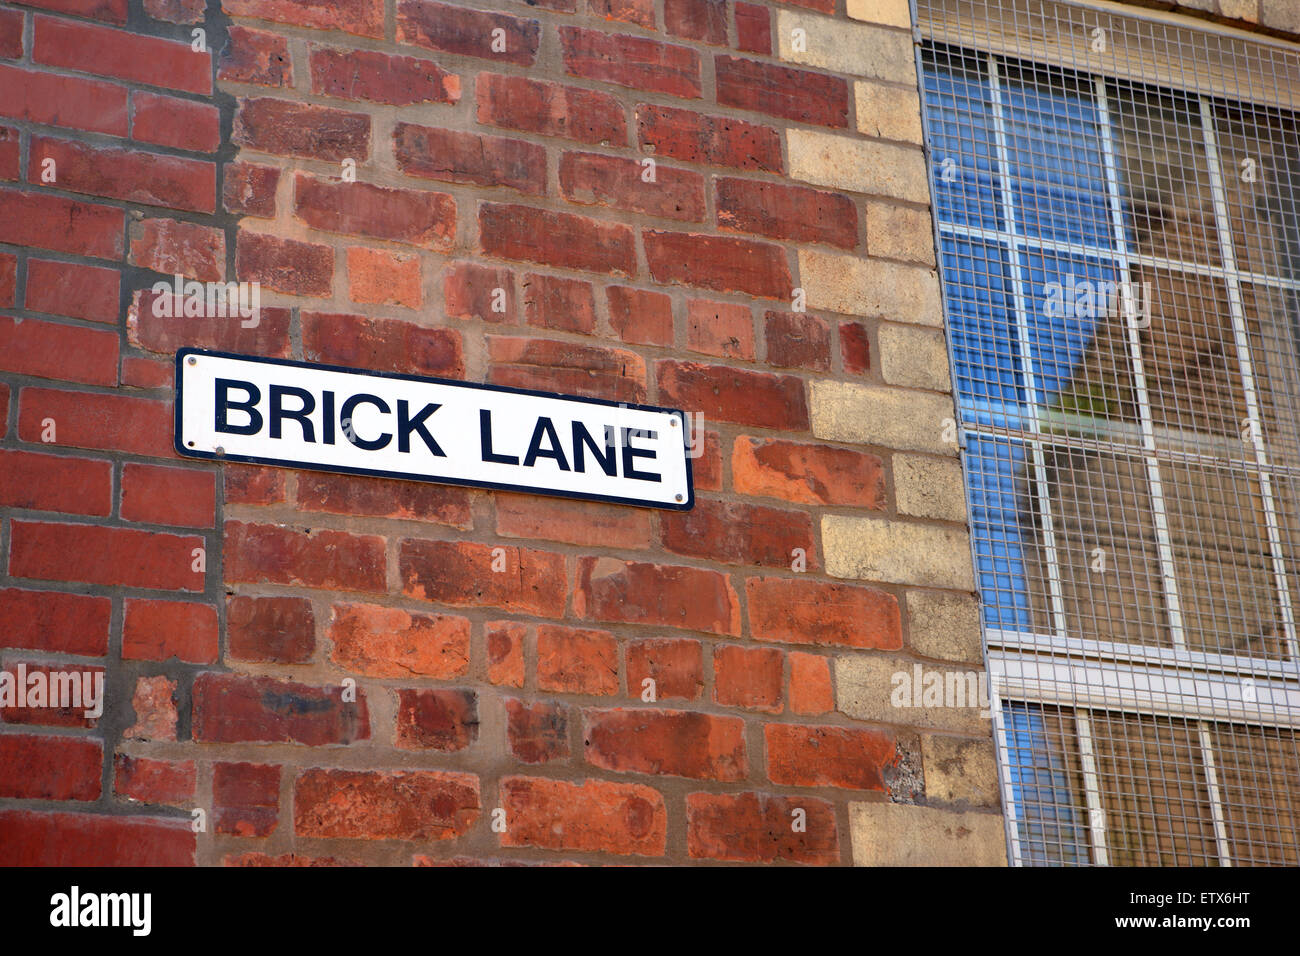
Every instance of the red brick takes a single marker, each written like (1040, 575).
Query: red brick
(442, 720)
(4, 408)
(149, 327)
(359, 17)
(380, 78)
(248, 485)
(640, 317)
(416, 216)
(51, 350)
(810, 684)
(127, 174)
(567, 367)
(538, 731)
(585, 523)
(752, 677)
(33, 838)
(655, 594)
(174, 496)
(706, 466)
(64, 225)
(235, 708)
(556, 239)
(8, 279)
(780, 211)
(460, 574)
(175, 11)
(822, 6)
(283, 860)
(385, 345)
(457, 157)
(54, 622)
(703, 20)
(301, 129)
(720, 328)
(549, 109)
(855, 348)
(383, 497)
(470, 292)
(40, 705)
(828, 756)
(676, 743)
(280, 630)
(154, 704)
(55, 483)
(246, 798)
(798, 95)
(334, 560)
(576, 661)
(11, 34)
(553, 302)
(760, 399)
(796, 611)
(68, 288)
(285, 265)
(172, 121)
(753, 28)
(146, 372)
(759, 828)
(719, 263)
(737, 533)
(50, 768)
(10, 159)
(250, 189)
(160, 630)
(159, 782)
(110, 11)
(453, 29)
(810, 474)
(640, 12)
(597, 179)
(384, 804)
(116, 53)
(121, 423)
(633, 61)
(797, 340)
(258, 56)
(55, 100)
(382, 277)
(179, 248)
(505, 643)
(99, 555)
(675, 666)
(389, 642)
(714, 140)
(591, 816)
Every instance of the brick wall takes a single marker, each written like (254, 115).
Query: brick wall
(714, 205)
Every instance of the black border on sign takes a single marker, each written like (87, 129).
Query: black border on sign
(183, 353)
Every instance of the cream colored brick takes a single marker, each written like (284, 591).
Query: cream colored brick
(914, 357)
(960, 770)
(897, 552)
(853, 48)
(871, 415)
(892, 13)
(890, 112)
(886, 690)
(929, 487)
(852, 285)
(858, 165)
(900, 232)
(1240, 9)
(899, 834)
(946, 626)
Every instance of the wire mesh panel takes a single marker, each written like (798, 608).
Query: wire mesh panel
(1118, 225)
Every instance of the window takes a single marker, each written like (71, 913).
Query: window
(1119, 234)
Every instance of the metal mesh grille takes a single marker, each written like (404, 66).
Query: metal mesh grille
(1116, 214)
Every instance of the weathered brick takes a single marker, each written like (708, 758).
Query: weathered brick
(550, 109)
(553, 302)
(538, 731)
(586, 523)
(714, 140)
(719, 263)
(597, 179)
(285, 265)
(897, 552)
(556, 239)
(721, 393)
(576, 661)
(380, 78)
(154, 704)
(633, 61)
(280, 630)
(54, 622)
(780, 211)
(454, 29)
(810, 684)
(160, 630)
(737, 533)
(383, 497)
(160, 782)
(63, 225)
(505, 644)
(416, 216)
(441, 720)
(390, 642)
(473, 291)
(640, 317)
(249, 188)
(703, 20)
(855, 348)
(149, 327)
(235, 708)
(45, 682)
(179, 248)
(246, 798)
(659, 595)
(759, 828)
(676, 743)
(594, 815)
(810, 474)
(463, 574)
(457, 157)
(798, 95)
(383, 277)
(752, 677)
(846, 757)
(385, 345)
(301, 129)
(800, 611)
(360, 17)
(675, 666)
(724, 329)
(384, 805)
(753, 28)
(258, 56)
(251, 485)
(334, 560)
(50, 768)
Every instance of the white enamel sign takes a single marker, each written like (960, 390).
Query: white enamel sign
(319, 417)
